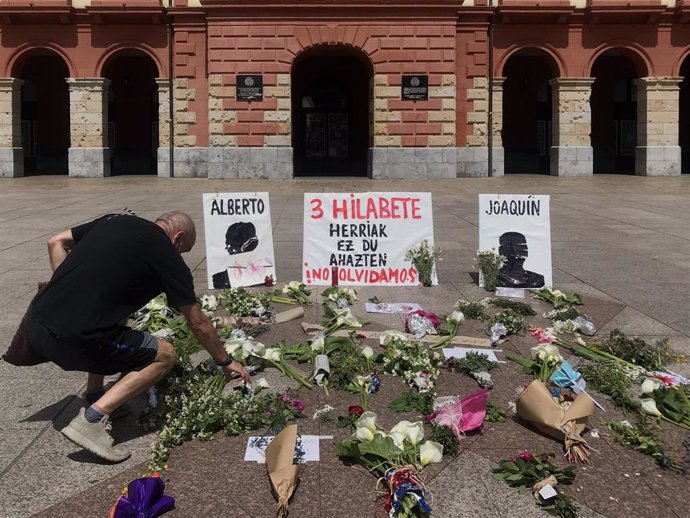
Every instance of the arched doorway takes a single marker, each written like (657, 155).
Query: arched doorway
(614, 111)
(684, 116)
(44, 111)
(527, 111)
(330, 112)
(132, 112)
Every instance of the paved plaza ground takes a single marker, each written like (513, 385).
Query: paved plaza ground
(623, 242)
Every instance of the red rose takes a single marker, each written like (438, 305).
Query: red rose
(355, 409)
(527, 456)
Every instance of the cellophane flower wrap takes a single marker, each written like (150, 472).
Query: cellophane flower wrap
(144, 499)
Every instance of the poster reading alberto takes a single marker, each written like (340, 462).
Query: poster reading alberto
(239, 239)
(364, 237)
(518, 227)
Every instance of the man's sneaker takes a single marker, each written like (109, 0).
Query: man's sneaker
(122, 411)
(95, 437)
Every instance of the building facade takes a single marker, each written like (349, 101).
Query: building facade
(389, 89)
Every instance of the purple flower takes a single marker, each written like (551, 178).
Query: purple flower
(145, 499)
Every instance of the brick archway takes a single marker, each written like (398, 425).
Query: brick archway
(330, 92)
(45, 108)
(527, 110)
(133, 114)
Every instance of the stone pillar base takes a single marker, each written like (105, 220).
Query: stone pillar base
(11, 162)
(473, 162)
(89, 162)
(412, 163)
(572, 161)
(657, 160)
(244, 163)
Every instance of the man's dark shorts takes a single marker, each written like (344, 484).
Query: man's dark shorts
(130, 351)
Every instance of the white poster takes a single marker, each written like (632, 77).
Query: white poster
(364, 237)
(239, 239)
(518, 227)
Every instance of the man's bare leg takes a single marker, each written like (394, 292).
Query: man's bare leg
(136, 382)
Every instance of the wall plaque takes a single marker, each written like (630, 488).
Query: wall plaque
(250, 88)
(415, 88)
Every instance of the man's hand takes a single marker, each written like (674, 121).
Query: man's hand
(58, 247)
(237, 368)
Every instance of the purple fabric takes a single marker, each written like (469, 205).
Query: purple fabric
(145, 499)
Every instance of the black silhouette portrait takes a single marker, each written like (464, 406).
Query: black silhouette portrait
(513, 246)
(239, 238)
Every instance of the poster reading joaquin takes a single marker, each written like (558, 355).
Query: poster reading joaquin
(518, 227)
(239, 239)
(364, 237)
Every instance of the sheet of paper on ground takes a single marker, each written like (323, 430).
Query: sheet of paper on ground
(306, 450)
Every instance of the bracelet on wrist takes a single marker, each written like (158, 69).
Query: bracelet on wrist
(227, 361)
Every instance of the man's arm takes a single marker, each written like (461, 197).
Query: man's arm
(58, 247)
(203, 330)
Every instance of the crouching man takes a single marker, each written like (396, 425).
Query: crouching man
(103, 272)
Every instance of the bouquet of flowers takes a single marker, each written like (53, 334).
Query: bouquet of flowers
(557, 298)
(535, 473)
(397, 458)
(421, 322)
(240, 302)
(460, 415)
(449, 329)
(489, 263)
(336, 319)
(565, 422)
(477, 365)
(295, 292)
(411, 362)
(669, 403)
(424, 259)
(342, 297)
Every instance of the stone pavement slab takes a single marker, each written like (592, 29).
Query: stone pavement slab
(622, 241)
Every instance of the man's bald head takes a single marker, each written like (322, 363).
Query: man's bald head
(180, 229)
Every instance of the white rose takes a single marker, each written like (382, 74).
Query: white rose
(430, 452)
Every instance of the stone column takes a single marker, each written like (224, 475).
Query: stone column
(657, 152)
(89, 154)
(571, 126)
(163, 127)
(11, 152)
(498, 158)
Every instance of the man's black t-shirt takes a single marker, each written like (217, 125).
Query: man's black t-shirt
(118, 264)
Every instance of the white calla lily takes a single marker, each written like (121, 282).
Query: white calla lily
(318, 344)
(389, 336)
(456, 316)
(345, 317)
(558, 293)
(292, 286)
(650, 385)
(649, 407)
(364, 434)
(402, 427)
(367, 420)
(350, 293)
(398, 439)
(272, 354)
(430, 452)
(362, 381)
(232, 346)
(368, 352)
(415, 432)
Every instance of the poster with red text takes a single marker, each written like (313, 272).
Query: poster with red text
(364, 237)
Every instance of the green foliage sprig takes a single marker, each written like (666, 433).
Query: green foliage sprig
(472, 309)
(636, 351)
(514, 321)
(446, 438)
(411, 400)
(522, 308)
(489, 263)
(640, 438)
(494, 413)
(472, 362)
(613, 380)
